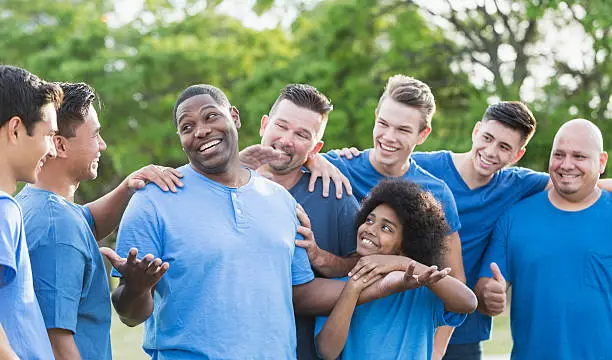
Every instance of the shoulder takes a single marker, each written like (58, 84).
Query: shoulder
(517, 173)
(430, 156)
(268, 188)
(530, 205)
(9, 209)
(427, 181)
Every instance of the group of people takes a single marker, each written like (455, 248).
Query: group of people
(244, 255)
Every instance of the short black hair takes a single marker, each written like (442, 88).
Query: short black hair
(23, 94)
(201, 89)
(424, 226)
(305, 96)
(515, 115)
(77, 99)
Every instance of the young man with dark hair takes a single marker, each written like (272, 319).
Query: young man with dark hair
(68, 271)
(554, 250)
(295, 127)
(27, 125)
(229, 237)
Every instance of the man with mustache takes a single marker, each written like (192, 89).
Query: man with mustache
(295, 127)
(553, 249)
(70, 280)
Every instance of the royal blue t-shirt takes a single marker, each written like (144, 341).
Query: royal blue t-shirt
(233, 261)
(478, 210)
(559, 264)
(333, 224)
(364, 177)
(70, 280)
(398, 327)
(19, 312)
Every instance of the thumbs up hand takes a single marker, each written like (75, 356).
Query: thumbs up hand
(492, 293)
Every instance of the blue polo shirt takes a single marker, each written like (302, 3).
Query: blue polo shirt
(233, 261)
(560, 266)
(333, 225)
(69, 276)
(19, 312)
(479, 209)
(400, 326)
(364, 177)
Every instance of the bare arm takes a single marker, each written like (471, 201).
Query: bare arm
(133, 298)
(63, 345)
(6, 352)
(453, 257)
(441, 339)
(107, 210)
(332, 338)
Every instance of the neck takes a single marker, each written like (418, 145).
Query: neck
(573, 203)
(392, 170)
(235, 176)
(54, 178)
(8, 182)
(286, 180)
(465, 166)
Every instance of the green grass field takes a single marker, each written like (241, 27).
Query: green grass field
(127, 341)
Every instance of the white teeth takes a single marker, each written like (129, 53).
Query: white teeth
(387, 148)
(367, 242)
(209, 144)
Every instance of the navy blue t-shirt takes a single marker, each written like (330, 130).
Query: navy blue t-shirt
(479, 209)
(333, 225)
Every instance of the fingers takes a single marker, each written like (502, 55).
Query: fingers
(437, 276)
(354, 151)
(410, 269)
(131, 259)
(497, 275)
(325, 178)
(112, 256)
(373, 279)
(364, 268)
(306, 233)
(164, 179)
(347, 186)
(346, 152)
(302, 216)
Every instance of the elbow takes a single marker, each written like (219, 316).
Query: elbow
(324, 352)
(467, 305)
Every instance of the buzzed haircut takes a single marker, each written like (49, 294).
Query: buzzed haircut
(77, 99)
(515, 115)
(411, 92)
(201, 89)
(23, 94)
(305, 96)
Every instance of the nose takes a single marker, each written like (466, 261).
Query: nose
(567, 163)
(101, 143)
(202, 131)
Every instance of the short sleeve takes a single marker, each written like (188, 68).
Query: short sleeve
(139, 229)
(58, 272)
(301, 273)
(531, 182)
(446, 318)
(497, 250)
(88, 217)
(450, 209)
(346, 225)
(10, 228)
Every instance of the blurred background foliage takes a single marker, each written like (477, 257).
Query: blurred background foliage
(553, 55)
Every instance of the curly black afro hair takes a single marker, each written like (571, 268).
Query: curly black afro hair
(423, 222)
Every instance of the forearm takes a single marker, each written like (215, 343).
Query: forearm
(453, 258)
(332, 338)
(441, 339)
(134, 306)
(107, 210)
(317, 297)
(63, 345)
(332, 266)
(6, 352)
(455, 295)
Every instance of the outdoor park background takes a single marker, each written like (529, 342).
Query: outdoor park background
(140, 54)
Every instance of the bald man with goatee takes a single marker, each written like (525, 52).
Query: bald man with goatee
(554, 249)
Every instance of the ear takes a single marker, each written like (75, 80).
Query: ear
(317, 148)
(264, 124)
(62, 145)
(519, 155)
(475, 131)
(235, 116)
(14, 126)
(423, 135)
(603, 160)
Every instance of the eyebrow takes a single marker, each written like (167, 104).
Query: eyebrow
(503, 142)
(389, 221)
(200, 110)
